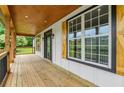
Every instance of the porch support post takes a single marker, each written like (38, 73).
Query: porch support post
(33, 40)
(14, 43)
(7, 41)
(12, 48)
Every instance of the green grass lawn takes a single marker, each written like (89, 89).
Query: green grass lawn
(23, 50)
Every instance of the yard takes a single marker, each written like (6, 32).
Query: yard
(24, 50)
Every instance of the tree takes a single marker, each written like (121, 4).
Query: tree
(2, 36)
(21, 41)
(2, 28)
(29, 39)
(2, 41)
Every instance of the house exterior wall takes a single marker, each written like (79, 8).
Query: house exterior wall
(95, 75)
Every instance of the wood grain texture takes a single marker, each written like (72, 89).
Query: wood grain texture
(5, 10)
(39, 17)
(64, 35)
(120, 40)
(32, 71)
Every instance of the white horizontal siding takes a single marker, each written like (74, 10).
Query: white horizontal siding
(94, 75)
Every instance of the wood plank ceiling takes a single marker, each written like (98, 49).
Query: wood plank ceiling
(31, 19)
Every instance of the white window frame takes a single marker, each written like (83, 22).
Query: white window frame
(75, 38)
(83, 40)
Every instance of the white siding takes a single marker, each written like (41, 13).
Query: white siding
(94, 75)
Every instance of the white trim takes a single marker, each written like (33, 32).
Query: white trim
(110, 39)
(83, 39)
(95, 75)
(73, 37)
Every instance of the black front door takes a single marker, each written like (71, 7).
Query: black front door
(48, 45)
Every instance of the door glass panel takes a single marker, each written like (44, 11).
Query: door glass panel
(48, 47)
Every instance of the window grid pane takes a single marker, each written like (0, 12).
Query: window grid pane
(75, 38)
(96, 33)
(96, 47)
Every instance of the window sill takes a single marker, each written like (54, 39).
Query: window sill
(91, 65)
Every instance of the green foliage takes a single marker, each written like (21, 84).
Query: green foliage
(1, 31)
(2, 36)
(2, 41)
(1, 28)
(22, 41)
(30, 42)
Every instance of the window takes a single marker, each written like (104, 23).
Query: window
(89, 36)
(96, 35)
(75, 38)
(38, 43)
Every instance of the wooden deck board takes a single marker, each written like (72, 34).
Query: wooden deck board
(32, 71)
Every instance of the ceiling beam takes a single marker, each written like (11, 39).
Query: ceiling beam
(5, 10)
(24, 34)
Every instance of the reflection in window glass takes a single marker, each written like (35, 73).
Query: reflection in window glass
(79, 20)
(104, 50)
(74, 22)
(88, 24)
(94, 36)
(87, 41)
(79, 27)
(78, 55)
(95, 13)
(75, 48)
(75, 38)
(71, 35)
(71, 54)
(104, 40)
(104, 60)
(96, 39)
(90, 32)
(95, 49)
(71, 42)
(103, 9)
(78, 49)
(78, 41)
(95, 58)
(88, 49)
(70, 30)
(78, 34)
(70, 24)
(103, 29)
(95, 22)
(74, 28)
(87, 16)
(88, 57)
(38, 43)
(104, 19)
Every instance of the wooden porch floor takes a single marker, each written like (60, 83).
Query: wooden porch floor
(32, 71)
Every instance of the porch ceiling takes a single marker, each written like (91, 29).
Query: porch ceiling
(30, 19)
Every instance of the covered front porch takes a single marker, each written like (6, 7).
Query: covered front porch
(32, 71)
(69, 48)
